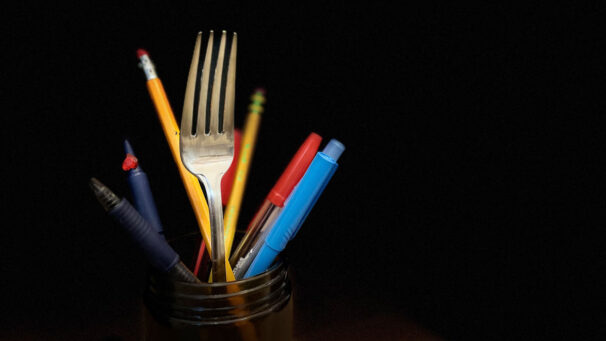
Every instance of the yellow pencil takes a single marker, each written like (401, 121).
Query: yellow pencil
(171, 131)
(249, 137)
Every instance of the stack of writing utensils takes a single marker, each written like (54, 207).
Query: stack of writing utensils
(211, 154)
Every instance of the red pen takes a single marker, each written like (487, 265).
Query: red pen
(278, 194)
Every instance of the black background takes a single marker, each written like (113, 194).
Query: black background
(467, 198)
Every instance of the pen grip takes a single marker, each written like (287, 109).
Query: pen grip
(156, 249)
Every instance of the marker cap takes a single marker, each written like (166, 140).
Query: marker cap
(295, 170)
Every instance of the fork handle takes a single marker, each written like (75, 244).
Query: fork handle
(213, 192)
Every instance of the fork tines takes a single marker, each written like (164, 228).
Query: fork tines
(205, 78)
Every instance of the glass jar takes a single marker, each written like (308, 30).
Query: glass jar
(256, 308)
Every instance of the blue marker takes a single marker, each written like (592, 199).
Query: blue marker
(139, 187)
(298, 206)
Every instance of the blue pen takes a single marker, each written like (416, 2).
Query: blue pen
(139, 187)
(157, 251)
(298, 206)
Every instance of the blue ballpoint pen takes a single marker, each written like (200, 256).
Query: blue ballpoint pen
(298, 206)
(140, 189)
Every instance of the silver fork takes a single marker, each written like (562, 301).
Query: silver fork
(208, 151)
